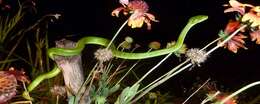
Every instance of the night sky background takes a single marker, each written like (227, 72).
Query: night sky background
(92, 17)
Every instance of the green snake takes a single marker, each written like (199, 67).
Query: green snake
(116, 53)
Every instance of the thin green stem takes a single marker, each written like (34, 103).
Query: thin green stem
(239, 91)
(114, 37)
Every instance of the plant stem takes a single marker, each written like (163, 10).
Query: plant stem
(174, 71)
(209, 98)
(117, 69)
(128, 72)
(91, 73)
(57, 99)
(211, 43)
(160, 82)
(157, 65)
(196, 91)
(114, 37)
(227, 39)
(132, 67)
(239, 91)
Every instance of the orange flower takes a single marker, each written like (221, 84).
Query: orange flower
(8, 83)
(235, 42)
(216, 96)
(237, 6)
(255, 35)
(231, 26)
(221, 97)
(138, 10)
(253, 16)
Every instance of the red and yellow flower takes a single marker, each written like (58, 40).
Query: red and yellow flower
(235, 42)
(237, 6)
(255, 36)
(138, 10)
(217, 99)
(250, 15)
(253, 16)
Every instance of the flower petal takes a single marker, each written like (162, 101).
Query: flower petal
(151, 17)
(253, 18)
(138, 10)
(117, 11)
(241, 11)
(231, 26)
(232, 47)
(255, 36)
(136, 23)
(237, 6)
(235, 43)
(147, 21)
(239, 38)
(124, 2)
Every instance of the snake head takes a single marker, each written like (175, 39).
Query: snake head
(197, 19)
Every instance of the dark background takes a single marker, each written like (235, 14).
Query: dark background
(92, 17)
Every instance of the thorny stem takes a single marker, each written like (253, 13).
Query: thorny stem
(239, 91)
(196, 91)
(114, 37)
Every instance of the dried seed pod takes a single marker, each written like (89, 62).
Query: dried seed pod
(197, 56)
(103, 55)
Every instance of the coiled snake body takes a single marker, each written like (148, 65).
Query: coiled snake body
(119, 54)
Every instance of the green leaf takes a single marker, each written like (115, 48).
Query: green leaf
(100, 100)
(222, 34)
(127, 94)
(113, 89)
(72, 100)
